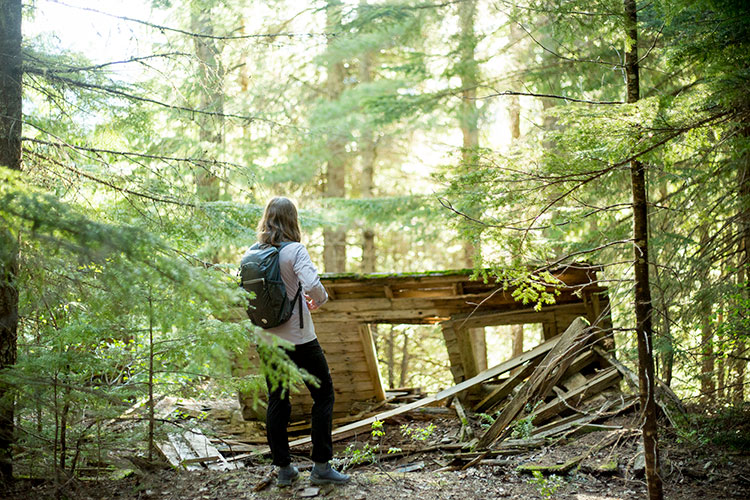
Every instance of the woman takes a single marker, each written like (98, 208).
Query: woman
(278, 225)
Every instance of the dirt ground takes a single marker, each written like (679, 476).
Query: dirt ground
(690, 471)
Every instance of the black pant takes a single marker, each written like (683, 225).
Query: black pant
(310, 357)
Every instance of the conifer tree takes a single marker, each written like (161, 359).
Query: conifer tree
(10, 158)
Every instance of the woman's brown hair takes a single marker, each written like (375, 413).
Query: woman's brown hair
(279, 222)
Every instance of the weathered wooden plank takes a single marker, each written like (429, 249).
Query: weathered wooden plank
(368, 343)
(343, 348)
(454, 352)
(404, 316)
(170, 453)
(466, 352)
(544, 377)
(207, 452)
(580, 362)
(423, 293)
(349, 360)
(595, 385)
(499, 393)
(184, 451)
(664, 394)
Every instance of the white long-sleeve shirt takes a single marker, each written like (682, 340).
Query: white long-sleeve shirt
(297, 267)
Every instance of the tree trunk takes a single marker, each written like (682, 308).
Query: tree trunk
(367, 159)
(517, 340)
(708, 387)
(738, 363)
(720, 364)
(10, 157)
(643, 306)
(514, 102)
(665, 359)
(211, 99)
(404, 360)
(390, 348)
(334, 240)
(468, 113)
(469, 122)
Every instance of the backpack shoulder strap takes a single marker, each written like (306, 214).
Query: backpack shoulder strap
(299, 295)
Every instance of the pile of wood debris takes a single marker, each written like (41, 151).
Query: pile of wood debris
(566, 386)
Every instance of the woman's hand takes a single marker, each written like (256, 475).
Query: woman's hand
(311, 305)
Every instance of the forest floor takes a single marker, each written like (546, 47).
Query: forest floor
(692, 468)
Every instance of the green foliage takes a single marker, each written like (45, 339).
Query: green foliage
(367, 453)
(486, 420)
(523, 428)
(547, 486)
(727, 427)
(417, 433)
(377, 429)
(358, 456)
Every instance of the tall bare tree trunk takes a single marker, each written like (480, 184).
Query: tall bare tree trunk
(211, 99)
(404, 359)
(517, 340)
(720, 364)
(468, 112)
(643, 306)
(390, 353)
(367, 158)
(708, 387)
(514, 103)
(469, 122)
(514, 110)
(739, 353)
(10, 157)
(334, 240)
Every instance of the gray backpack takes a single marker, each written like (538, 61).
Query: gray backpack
(260, 274)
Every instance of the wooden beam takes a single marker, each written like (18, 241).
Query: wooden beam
(523, 315)
(368, 344)
(572, 398)
(466, 352)
(505, 388)
(479, 347)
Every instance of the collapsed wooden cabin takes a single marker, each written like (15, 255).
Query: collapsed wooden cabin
(567, 385)
(453, 299)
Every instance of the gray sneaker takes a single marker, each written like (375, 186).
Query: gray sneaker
(287, 475)
(325, 474)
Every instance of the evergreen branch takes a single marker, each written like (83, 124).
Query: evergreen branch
(560, 56)
(130, 153)
(550, 96)
(132, 97)
(560, 11)
(43, 382)
(447, 204)
(109, 184)
(587, 251)
(653, 45)
(76, 69)
(192, 34)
